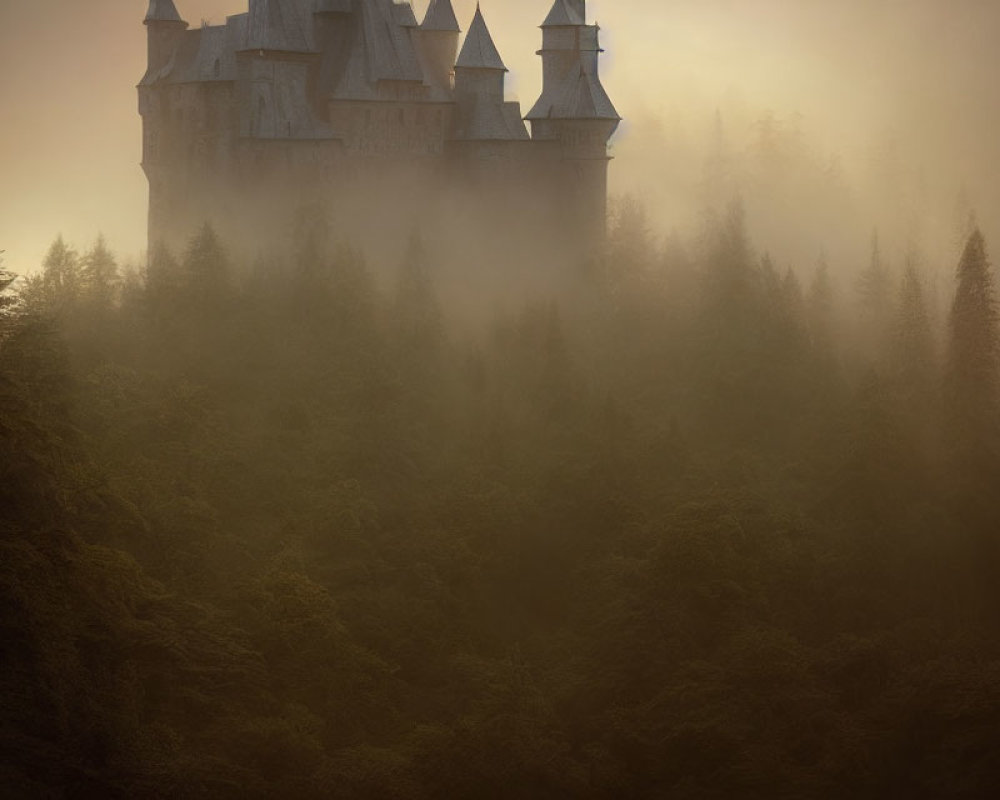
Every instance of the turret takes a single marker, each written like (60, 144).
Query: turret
(575, 111)
(436, 41)
(163, 28)
(482, 113)
(479, 69)
(571, 85)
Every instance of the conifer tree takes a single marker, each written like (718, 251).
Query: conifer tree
(820, 307)
(874, 289)
(99, 274)
(206, 267)
(58, 287)
(911, 345)
(631, 250)
(162, 277)
(973, 368)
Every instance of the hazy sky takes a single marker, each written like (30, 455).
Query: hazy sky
(921, 71)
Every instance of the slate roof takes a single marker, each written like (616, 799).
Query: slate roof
(381, 49)
(403, 15)
(579, 95)
(162, 11)
(277, 25)
(478, 50)
(199, 51)
(566, 12)
(485, 119)
(440, 16)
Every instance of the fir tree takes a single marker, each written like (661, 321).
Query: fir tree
(99, 274)
(874, 289)
(820, 307)
(58, 287)
(911, 345)
(206, 267)
(973, 369)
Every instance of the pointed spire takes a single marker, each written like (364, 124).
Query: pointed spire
(478, 50)
(566, 12)
(440, 16)
(162, 11)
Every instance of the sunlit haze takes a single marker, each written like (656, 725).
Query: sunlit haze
(858, 78)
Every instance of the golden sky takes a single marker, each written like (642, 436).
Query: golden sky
(921, 71)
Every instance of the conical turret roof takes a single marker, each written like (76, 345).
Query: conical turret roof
(566, 12)
(580, 95)
(440, 16)
(162, 11)
(478, 50)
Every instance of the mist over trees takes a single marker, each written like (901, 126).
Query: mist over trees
(701, 524)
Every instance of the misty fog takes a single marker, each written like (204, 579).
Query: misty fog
(414, 494)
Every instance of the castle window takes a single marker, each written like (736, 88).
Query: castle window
(217, 69)
(400, 116)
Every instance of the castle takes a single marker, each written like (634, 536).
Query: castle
(355, 105)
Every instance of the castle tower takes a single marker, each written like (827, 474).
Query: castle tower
(575, 111)
(163, 27)
(164, 30)
(437, 42)
(482, 114)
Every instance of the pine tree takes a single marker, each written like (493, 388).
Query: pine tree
(875, 291)
(57, 289)
(912, 350)
(206, 268)
(973, 368)
(99, 274)
(163, 279)
(820, 308)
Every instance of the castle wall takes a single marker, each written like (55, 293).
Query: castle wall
(246, 138)
(391, 129)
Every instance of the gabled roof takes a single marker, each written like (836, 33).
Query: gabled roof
(276, 25)
(440, 16)
(162, 11)
(566, 12)
(478, 50)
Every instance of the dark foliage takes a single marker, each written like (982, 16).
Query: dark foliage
(298, 538)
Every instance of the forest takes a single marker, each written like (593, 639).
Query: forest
(695, 526)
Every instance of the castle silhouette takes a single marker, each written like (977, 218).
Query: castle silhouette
(355, 102)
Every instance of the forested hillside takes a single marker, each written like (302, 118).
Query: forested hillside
(697, 526)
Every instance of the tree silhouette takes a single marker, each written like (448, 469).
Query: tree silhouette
(973, 368)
